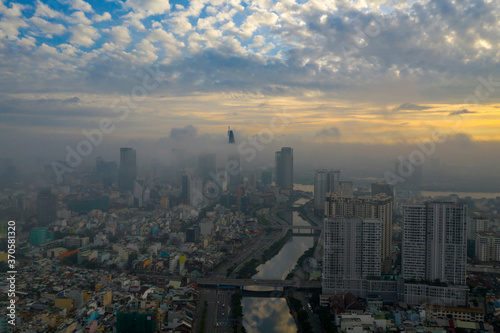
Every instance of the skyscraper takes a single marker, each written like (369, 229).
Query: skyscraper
(374, 207)
(230, 135)
(352, 251)
(434, 242)
(266, 177)
(46, 207)
(233, 169)
(206, 167)
(284, 168)
(106, 172)
(346, 188)
(128, 169)
(325, 181)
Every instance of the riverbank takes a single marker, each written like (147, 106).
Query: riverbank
(250, 268)
(308, 254)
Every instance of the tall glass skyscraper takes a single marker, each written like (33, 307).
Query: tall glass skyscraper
(284, 168)
(127, 173)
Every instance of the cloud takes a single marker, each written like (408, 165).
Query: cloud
(332, 132)
(78, 18)
(43, 10)
(461, 139)
(148, 7)
(100, 18)
(83, 35)
(71, 100)
(119, 35)
(48, 28)
(464, 111)
(80, 5)
(411, 107)
(184, 133)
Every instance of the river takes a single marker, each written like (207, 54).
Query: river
(266, 315)
(462, 195)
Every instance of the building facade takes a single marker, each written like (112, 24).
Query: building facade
(127, 173)
(46, 207)
(374, 207)
(487, 246)
(284, 168)
(434, 242)
(351, 250)
(325, 181)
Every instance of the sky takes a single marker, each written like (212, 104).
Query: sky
(346, 73)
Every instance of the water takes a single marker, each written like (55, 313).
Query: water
(462, 195)
(265, 315)
(474, 195)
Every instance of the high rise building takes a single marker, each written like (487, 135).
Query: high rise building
(206, 167)
(106, 172)
(193, 234)
(351, 251)
(38, 236)
(434, 242)
(374, 207)
(284, 168)
(346, 188)
(233, 170)
(487, 246)
(185, 186)
(46, 204)
(127, 173)
(325, 181)
(195, 191)
(266, 177)
(476, 225)
(230, 135)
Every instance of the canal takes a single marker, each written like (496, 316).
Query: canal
(266, 315)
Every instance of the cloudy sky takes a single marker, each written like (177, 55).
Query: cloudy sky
(345, 71)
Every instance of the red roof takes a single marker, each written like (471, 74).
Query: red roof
(66, 254)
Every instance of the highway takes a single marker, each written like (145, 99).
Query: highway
(210, 322)
(223, 323)
(257, 282)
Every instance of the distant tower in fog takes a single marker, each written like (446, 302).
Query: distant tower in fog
(325, 181)
(206, 166)
(127, 174)
(284, 168)
(46, 204)
(230, 134)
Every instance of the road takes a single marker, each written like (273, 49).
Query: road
(313, 318)
(223, 323)
(210, 296)
(257, 282)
